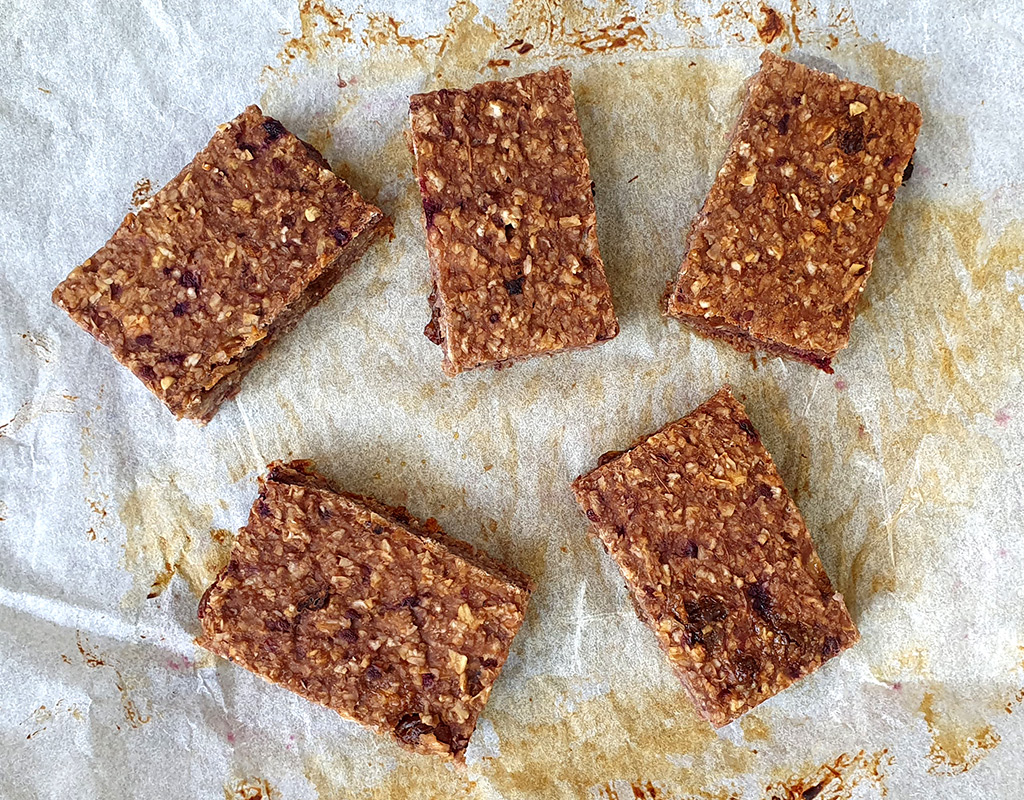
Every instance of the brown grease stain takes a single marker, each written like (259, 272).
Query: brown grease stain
(91, 659)
(936, 272)
(914, 661)
(249, 789)
(289, 411)
(321, 138)
(872, 571)
(837, 780)
(754, 728)
(142, 192)
(647, 790)
(1018, 697)
(422, 778)
(380, 36)
(956, 747)
(236, 471)
(32, 410)
(771, 26)
(577, 27)
(167, 536)
(320, 27)
(539, 29)
(220, 554)
(383, 30)
(43, 350)
(890, 70)
(133, 716)
(556, 754)
(41, 718)
(794, 8)
(624, 34)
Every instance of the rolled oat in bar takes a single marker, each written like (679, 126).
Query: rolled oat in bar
(508, 208)
(780, 252)
(717, 559)
(190, 291)
(366, 610)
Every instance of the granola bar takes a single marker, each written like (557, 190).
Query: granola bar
(780, 252)
(717, 559)
(190, 291)
(366, 610)
(508, 209)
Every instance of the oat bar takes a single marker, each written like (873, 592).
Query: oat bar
(508, 209)
(717, 559)
(366, 610)
(779, 254)
(190, 291)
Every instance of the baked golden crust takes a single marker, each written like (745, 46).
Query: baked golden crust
(229, 255)
(780, 252)
(508, 209)
(717, 559)
(363, 609)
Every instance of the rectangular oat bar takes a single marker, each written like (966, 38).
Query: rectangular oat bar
(717, 559)
(366, 610)
(191, 290)
(508, 209)
(779, 254)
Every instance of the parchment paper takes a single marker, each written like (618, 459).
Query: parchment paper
(906, 463)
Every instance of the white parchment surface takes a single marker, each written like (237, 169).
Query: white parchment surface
(906, 463)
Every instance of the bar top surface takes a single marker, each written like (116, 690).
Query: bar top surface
(717, 558)
(198, 276)
(785, 240)
(366, 610)
(511, 228)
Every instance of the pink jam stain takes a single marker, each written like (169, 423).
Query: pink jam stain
(841, 385)
(1002, 417)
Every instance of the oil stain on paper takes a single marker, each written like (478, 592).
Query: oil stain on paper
(937, 269)
(956, 746)
(605, 739)
(845, 777)
(168, 535)
(134, 717)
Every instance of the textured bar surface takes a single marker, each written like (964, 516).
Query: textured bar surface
(717, 559)
(190, 291)
(508, 209)
(366, 610)
(779, 254)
